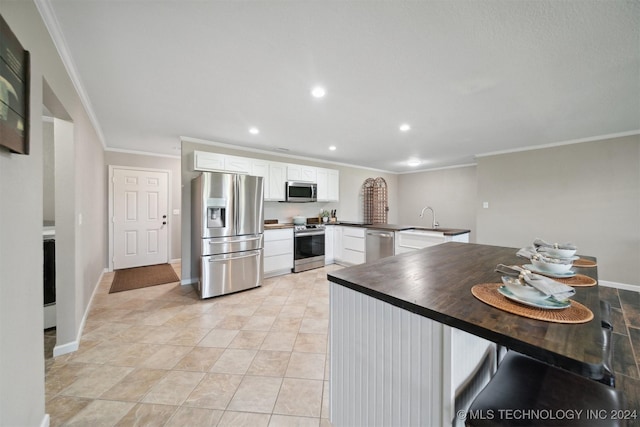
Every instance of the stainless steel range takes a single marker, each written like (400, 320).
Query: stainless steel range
(308, 247)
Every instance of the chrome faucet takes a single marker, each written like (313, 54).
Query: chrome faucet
(435, 223)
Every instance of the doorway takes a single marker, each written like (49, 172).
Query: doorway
(59, 220)
(138, 217)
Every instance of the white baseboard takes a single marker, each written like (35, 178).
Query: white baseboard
(72, 346)
(175, 261)
(46, 420)
(624, 286)
(191, 281)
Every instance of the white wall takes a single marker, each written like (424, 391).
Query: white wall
(21, 217)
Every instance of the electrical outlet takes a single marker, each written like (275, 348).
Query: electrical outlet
(485, 205)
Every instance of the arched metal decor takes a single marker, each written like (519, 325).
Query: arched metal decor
(376, 207)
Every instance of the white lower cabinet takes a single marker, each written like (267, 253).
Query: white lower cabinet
(278, 252)
(329, 244)
(411, 240)
(351, 247)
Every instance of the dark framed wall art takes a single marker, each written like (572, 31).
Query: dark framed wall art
(14, 92)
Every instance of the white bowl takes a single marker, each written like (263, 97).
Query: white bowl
(552, 267)
(557, 253)
(299, 220)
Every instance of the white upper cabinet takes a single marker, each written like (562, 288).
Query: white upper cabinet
(261, 168)
(275, 174)
(328, 185)
(301, 173)
(277, 181)
(237, 164)
(205, 161)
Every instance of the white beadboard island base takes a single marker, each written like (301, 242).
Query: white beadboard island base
(392, 367)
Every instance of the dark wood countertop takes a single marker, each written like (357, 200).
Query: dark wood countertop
(436, 282)
(397, 227)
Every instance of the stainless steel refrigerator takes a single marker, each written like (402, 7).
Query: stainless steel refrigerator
(227, 225)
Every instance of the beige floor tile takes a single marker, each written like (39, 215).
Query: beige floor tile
(270, 363)
(134, 355)
(95, 380)
(199, 359)
(194, 417)
(62, 408)
(314, 326)
(311, 343)
(290, 421)
(279, 341)
(214, 391)
(300, 397)
(135, 385)
(218, 338)
(293, 310)
(287, 324)
(145, 414)
(325, 401)
(243, 419)
(174, 388)
(166, 356)
(234, 361)
(233, 321)
(320, 311)
(306, 365)
(189, 336)
(256, 394)
(151, 355)
(268, 310)
(259, 323)
(244, 310)
(101, 413)
(248, 340)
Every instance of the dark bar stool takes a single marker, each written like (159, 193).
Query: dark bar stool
(527, 392)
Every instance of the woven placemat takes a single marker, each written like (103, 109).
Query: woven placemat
(578, 280)
(488, 294)
(581, 262)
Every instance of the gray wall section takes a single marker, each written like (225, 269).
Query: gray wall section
(348, 208)
(21, 218)
(450, 192)
(587, 193)
(48, 178)
(135, 160)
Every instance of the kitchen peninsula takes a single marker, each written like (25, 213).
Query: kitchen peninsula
(406, 332)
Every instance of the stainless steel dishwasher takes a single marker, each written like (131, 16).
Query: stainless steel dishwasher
(378, 244)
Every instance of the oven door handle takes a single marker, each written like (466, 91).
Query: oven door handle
(308, 233)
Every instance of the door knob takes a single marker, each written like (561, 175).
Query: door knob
(164, 216)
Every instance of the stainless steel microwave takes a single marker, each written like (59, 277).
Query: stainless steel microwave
(301, 191)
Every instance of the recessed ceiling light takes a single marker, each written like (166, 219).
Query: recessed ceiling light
(254, 131)
(318, 92)
(414, 162)
(405, 127)
(332, 147)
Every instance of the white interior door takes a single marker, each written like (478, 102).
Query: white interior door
(140, 218)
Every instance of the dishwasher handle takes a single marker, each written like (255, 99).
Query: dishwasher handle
(379, 234)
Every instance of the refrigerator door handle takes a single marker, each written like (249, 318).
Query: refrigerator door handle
(250, 239)
(218, 258)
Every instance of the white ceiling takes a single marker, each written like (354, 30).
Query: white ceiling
(470, 77)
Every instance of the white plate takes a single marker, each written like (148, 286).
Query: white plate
(550, 303)
(532, 268)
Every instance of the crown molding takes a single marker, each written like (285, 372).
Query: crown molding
(51, 22)
(558, 144)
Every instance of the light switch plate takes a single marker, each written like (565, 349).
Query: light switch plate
(485, 205)
(176, 211)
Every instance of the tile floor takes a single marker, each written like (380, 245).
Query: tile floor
(159, 356)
